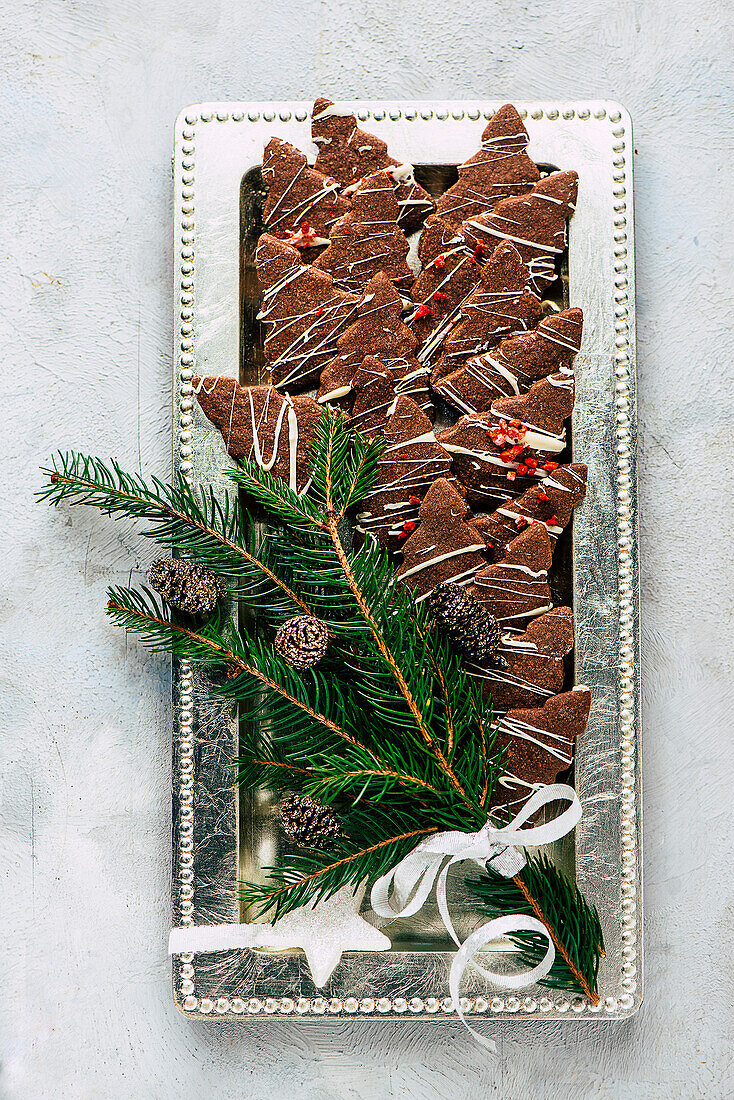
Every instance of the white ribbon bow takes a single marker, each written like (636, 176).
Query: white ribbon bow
(410, 882)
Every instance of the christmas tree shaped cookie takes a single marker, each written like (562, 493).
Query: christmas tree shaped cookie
(535, 223)
(368, 239)
(500, 169)
(515, 363)
(303, 312)
(437, 238)
(541, 412)
(374, 400)
(532, 666)
(490, 471)
(551, 503)
(408, 466)
(445, 547)
(516, 587)
(348, 153)
(376, 330)
(260, 425)
(447, 280)
(500, 304)
(540, 745)
(302, 204)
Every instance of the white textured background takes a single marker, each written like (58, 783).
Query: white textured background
(89, 92)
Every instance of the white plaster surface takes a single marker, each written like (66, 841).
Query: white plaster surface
(88, 95)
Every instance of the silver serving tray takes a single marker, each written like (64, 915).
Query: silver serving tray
(216, 840)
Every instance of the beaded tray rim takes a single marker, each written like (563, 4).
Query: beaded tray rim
(212, 133)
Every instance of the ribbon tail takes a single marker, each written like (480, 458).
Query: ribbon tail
(443, 908)
(500, 926)
(417, 871)
(541, 834)
(442, 901)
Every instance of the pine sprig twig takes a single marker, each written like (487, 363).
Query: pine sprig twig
(331, 460)
(139, 613)
(343, 464)
(361, 468)
(195, 523)
(391, 731)
(282, 503)
(316, 874)
(250, 669)
(542, 891)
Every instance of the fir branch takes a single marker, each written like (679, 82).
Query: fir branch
(330, 769)
(332, 784)
(194, 523)
(331, 450)
(557, 941)
(317, 575)
(316, 875)
(542, 891)
(254, 771)
(432, 756)
(438, 673)
(280, 764)
(332, 519)
(361, 470)
(491, 770)
(324, 784)
(319, 698)
(140, 614)
(389, 657)
(473, 759)
(281, 502)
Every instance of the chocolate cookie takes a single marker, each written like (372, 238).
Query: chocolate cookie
(551, 504)
(445, 283)
(377, 330)
(516, 587)
(374, 397)
(500, 169)
(348, 153)
(260, 425)
(368, 239)
(302, 204)
(535, 223)
(444, 547)
(437, 237)
(515, 363)
(491, 472)
(541, 412)
(532, 667)
(540, 745)
(500, 304)
(304, 314)
(410, 463)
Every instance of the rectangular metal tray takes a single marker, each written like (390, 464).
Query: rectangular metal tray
(215, 839)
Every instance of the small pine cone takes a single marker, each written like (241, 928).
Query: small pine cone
(185, 585)
(308, 822)
(302, 641)
(460, 615)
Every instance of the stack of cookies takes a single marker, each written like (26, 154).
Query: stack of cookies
(405, 312)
